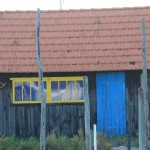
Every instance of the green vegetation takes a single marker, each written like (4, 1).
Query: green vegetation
(54, 142)
(117, 141)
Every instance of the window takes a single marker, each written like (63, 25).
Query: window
(68, 89)
(57, 90)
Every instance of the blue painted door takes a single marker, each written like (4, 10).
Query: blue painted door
(111, 105)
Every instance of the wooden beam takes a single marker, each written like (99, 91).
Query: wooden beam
(87, 115)
(144, 84)
(41, 85)
(144, 111)
(141, 120)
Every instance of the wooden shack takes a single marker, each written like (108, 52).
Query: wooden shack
(103, 44)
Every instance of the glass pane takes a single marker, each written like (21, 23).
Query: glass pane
(18, 91)
(79, 90)
(54, 89)
(71, 90)
(63, 91)
(34, 91)
(26, 91)
(45, 89)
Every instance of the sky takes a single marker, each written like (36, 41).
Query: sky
(69, 4)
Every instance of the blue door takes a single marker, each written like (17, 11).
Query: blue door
(111, 105)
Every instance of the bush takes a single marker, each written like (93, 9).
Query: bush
(135, 141)
(57, 143)
(78, 141)
(116, 140)
(102, 143)
(29, 144)
(7, 143)
(51, 141)
(63, 143)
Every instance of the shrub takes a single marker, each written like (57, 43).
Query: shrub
(29, 144)
(102, 143)
(57, 143)
(63, 143)
(51, 141)
(78, 141)
(135, 141)
(7, 143)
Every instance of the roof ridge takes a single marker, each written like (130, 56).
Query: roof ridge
(78, 10)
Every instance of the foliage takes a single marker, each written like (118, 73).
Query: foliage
(65, 143)
(117, 141)
(7, 143)
(51, 141)
(29, 144)
(78, 141)
(135, 141)
(54, 142)
(102, 143)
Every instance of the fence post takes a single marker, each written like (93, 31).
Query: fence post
(87, 115)
(41, 86)
(144, 91)
(141, 122)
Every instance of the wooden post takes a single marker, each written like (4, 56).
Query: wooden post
(87, 115)
(141, 120)
(145, 85)
(144, 111)
(41, 86)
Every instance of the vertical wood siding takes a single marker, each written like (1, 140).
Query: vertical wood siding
(24, 120)
(132, 86)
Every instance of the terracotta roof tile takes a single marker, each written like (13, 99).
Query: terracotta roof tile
(74, 40)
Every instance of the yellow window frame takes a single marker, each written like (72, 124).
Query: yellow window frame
(48, 81)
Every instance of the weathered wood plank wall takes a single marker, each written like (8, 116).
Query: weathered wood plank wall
(24, 120)
(132, 86)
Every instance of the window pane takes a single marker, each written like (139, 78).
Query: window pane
(34, 91)
(45, 89)
(26, 91)
(63, 91)
(18, 91)
(79, 90)
(54, 89)
(71, 90)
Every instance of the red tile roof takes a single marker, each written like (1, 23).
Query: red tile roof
(74, 40)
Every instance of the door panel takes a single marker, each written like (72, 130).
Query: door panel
(111, 110)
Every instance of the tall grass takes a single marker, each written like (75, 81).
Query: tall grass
(29, 144)
(7, 143)
(54, 142)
